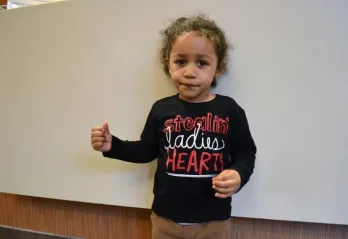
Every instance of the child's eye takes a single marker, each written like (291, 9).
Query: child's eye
(203, 63)
(180, 62)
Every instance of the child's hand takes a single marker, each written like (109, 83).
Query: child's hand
(226, 183)
(101, 138)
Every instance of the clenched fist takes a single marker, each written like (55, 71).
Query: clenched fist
(101, 138)
(226, 183)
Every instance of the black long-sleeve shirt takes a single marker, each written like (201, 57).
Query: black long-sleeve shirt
(193, 143)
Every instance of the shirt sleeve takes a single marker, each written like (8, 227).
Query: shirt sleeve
(243, 148)
(144, 150)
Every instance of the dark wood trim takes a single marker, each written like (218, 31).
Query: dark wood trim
(94, 221)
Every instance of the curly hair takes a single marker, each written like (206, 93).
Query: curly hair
(205, 27)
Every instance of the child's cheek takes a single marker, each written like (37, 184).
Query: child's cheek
(176, 76)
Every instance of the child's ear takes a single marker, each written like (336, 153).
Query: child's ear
(218, 74)
(169, 70)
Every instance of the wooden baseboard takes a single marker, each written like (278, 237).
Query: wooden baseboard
(94, 221)
(7, 232)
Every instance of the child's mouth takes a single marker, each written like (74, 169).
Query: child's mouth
(190, 85)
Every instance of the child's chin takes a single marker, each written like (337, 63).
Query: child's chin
(188, 89)
(189, 94)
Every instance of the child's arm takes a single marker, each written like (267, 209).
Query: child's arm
(140, 151)
(243, 149)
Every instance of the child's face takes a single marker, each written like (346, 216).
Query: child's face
(192, 65)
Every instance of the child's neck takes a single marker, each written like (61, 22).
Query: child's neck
(204, 97)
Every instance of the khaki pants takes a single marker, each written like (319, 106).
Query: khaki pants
(165, 229)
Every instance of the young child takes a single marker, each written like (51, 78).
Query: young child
(202, 141)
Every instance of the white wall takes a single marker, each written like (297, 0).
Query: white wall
(68, 66)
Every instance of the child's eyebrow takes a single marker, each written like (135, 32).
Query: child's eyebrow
(203, 56)
(198, 55)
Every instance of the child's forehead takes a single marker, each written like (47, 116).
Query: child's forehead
(192, 35)
(193, 42)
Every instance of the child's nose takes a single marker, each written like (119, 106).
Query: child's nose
(190, 71)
